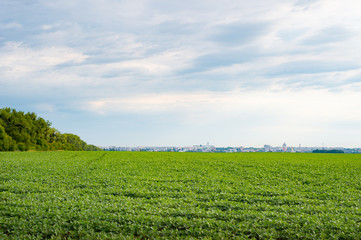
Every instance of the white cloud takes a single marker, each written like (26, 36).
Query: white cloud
(17, 60)
(297, 105)
(252, 117)
(11, 25)
(164, 63)
(270, 67)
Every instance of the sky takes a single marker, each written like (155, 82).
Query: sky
(180, 73)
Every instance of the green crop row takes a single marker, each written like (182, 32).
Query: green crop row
(127, 195)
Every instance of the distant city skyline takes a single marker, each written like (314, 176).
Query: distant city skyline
(232, 149)
(283, 146)
(179, 73)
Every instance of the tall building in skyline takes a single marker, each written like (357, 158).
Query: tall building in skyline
(267, 148)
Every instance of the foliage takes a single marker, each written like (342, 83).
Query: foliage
(6, 142)
(26, 131)
(327, 151)
(139, 195)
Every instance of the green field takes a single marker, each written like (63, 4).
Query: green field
(127, 195)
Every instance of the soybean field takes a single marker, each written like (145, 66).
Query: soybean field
(147, 195)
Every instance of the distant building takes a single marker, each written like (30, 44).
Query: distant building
(284, 147)
(267, 148)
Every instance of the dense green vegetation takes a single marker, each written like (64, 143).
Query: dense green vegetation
(127, 195)
(327, 151)
(26, 131)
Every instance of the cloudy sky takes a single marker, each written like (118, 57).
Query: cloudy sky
(178, 73)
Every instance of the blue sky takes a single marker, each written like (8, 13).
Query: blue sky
(178, 73)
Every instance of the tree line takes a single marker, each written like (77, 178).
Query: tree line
(327, 151)
(21, 131)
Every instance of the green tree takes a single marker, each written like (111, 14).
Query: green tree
(6, 142)
(26, 131)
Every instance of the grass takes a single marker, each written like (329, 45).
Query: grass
(127, 195)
